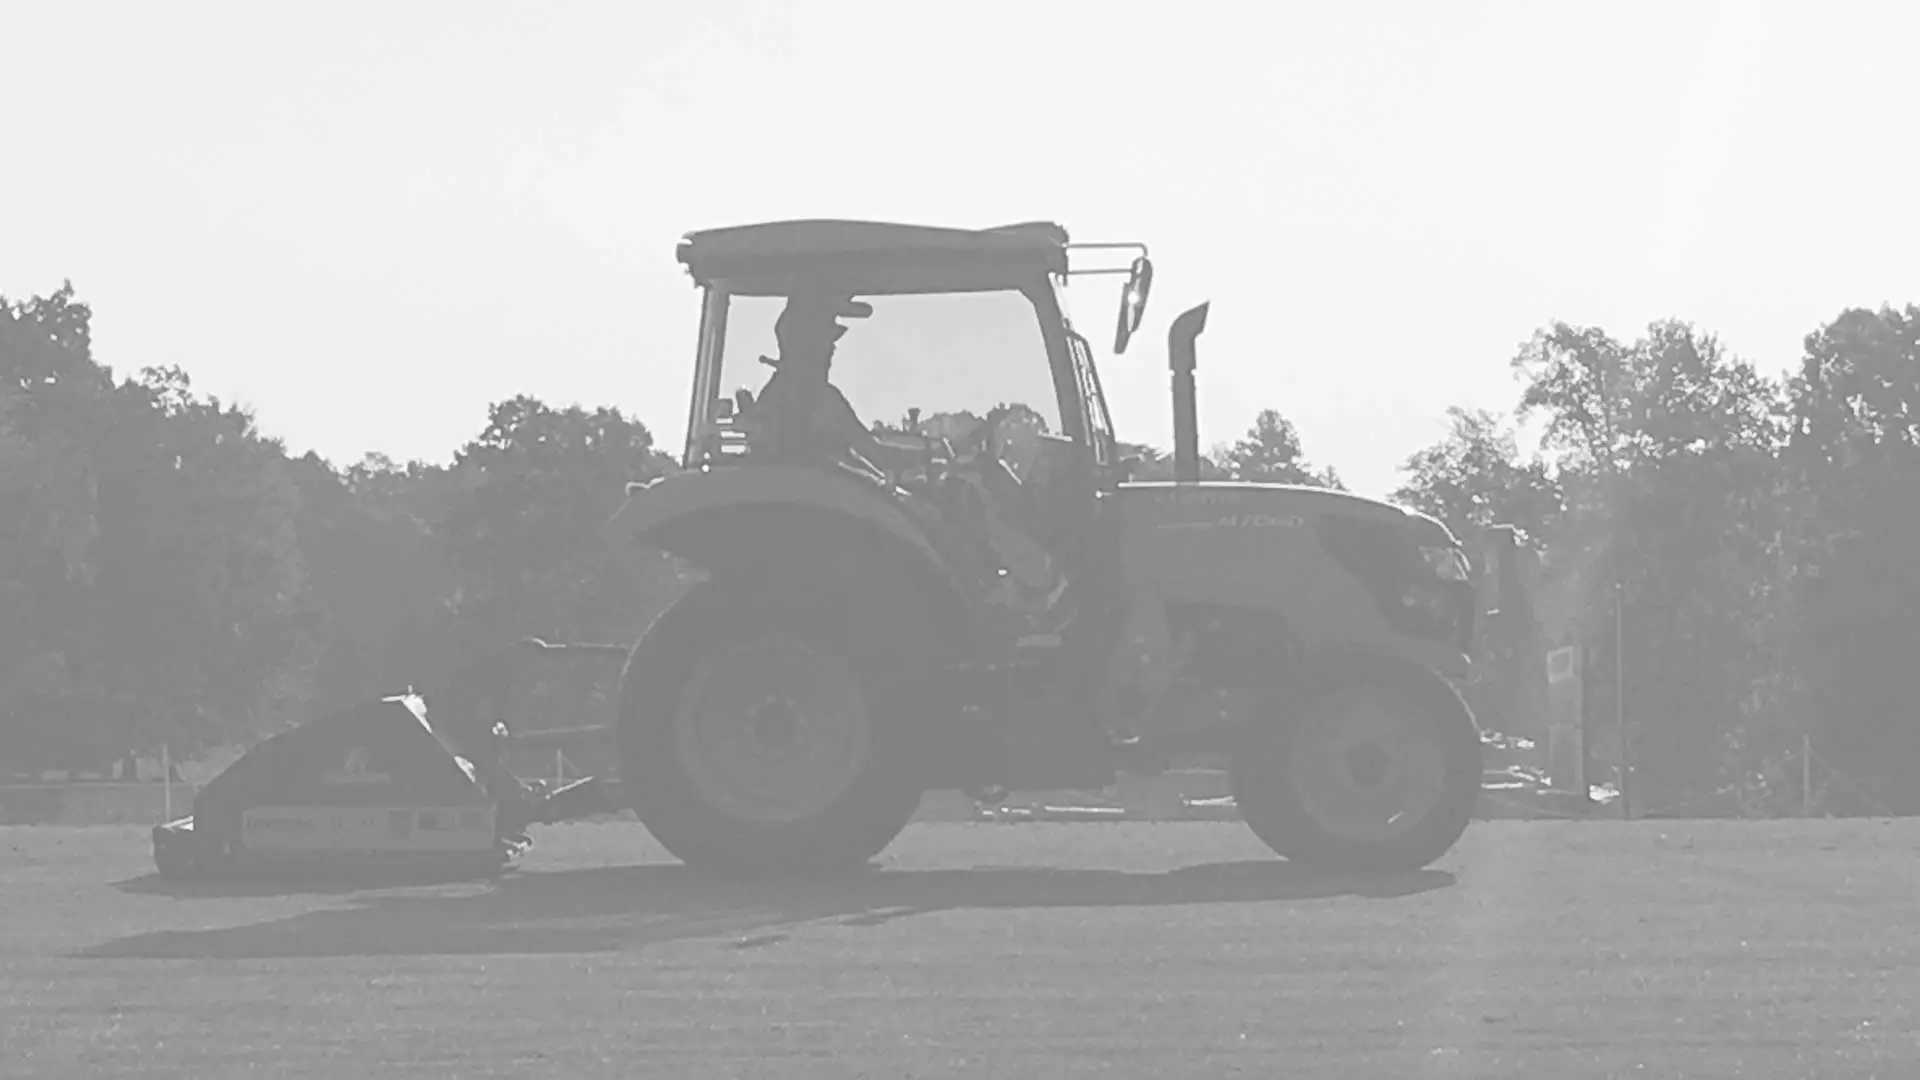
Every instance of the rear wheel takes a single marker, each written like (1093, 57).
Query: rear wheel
(1377, 774)
(752, 740)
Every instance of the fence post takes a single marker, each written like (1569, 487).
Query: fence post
(166, 781)
(1620, 700)
(1806, 775)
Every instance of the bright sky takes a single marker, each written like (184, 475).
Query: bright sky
(368, 220)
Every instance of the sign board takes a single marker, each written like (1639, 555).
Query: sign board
(1566, 729)
(1563, 664)
(358, 828)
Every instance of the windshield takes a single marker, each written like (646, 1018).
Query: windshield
(952, 356)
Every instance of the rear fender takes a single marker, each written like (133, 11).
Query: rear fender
(805, 528)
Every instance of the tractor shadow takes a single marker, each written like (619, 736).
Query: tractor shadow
(631, 907)
(289, 882)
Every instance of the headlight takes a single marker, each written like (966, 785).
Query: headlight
(1447, 563)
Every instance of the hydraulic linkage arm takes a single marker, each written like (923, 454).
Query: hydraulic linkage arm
(477, 695)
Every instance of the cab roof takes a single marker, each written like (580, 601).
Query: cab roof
(871, 256)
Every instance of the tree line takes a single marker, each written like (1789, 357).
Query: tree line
(1756, 537)
(171, 573)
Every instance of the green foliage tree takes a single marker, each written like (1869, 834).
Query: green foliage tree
(1854, 452)
(524, 526)
(1270, 453)
(153, 577)
(1474, 477)
(1662, 474)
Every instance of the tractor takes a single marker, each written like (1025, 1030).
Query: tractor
(974, 591)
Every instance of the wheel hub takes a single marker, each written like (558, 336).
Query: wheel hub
(776, 726)
(774, 730)
(1366, 766)
(1369, 765)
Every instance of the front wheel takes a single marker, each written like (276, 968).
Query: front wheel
(752, 741)
(1378, 773)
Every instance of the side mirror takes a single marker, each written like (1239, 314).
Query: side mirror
(1133, 303)
(723, 409)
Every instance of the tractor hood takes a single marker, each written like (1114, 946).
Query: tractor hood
(1290, 500)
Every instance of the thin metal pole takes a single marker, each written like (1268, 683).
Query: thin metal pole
(1620, 702)
(1806, 775)
(1613, 558)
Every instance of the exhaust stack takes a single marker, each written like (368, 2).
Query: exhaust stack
(1186, 423)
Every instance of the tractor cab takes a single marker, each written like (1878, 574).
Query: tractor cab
(937, 364)
(925, 330)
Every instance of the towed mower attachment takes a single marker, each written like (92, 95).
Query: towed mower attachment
(378, 787)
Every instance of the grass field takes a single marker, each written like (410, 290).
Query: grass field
(1536, 949)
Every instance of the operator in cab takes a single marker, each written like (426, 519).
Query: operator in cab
(800, 413)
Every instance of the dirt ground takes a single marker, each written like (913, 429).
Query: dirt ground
(1537, 949)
